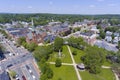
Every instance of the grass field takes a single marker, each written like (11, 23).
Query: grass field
(64, 73)
(68, 72)
(78, 56)
(107, 63)
(66, 56)
(106, 74)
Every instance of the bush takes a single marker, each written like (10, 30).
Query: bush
(74, 52)
(12, 74)
(58, 62)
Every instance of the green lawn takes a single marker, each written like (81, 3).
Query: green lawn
(66, 56)
(68, 72)
(78, 56)
(107, 63)
(106, 74)
(64, 73)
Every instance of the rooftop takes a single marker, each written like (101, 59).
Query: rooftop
(4, 76)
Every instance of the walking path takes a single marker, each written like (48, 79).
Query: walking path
(68, 64)
(116, 76)
(74, 64)
(107, 67)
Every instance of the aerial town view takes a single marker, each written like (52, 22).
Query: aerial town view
(60, 40)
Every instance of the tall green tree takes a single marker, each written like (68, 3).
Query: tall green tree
(119, 44)
(21, 40)
(102, 34)
(58, 62)
(32, 46)
(93, 59)
(77, 42)
(58, 43)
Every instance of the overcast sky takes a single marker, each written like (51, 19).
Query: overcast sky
(61, 6)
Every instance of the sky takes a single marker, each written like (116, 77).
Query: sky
(61, 6)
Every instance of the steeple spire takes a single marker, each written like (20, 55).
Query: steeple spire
(32, 22)
(33, 28)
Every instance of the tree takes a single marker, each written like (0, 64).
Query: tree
(119, 44)
(58, 43)
(98, 27)
(43, 52)
(118, 57)
(2, 48)
(43, 77)
(102, 34)
(49, 73)
(113, 36)
(12, 74)
(32, 46)
(21, 40)
(77, 43)
(93, 59)
(74, 52)
(58, 62)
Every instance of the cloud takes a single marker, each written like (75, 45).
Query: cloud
(92, 6)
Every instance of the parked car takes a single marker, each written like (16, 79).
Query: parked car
(23, 77)
(9, 65)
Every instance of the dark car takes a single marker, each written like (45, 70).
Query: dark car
(23, 78)
(9, 65)
(27, 67)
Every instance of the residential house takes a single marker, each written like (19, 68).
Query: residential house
(108, 36)
(89, 36)
(95, 30)
(116, 37)
(105, 45)
(50, 38)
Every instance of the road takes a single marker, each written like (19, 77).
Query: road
(74, 64)
(18, 61)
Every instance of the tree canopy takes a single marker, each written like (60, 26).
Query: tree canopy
(58, 43)
(77, 42)
(93, 59)
(58, 62)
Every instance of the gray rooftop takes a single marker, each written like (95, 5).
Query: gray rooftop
(106, 46)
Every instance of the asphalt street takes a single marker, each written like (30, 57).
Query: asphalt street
(16, 58)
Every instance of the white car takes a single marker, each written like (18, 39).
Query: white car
(33, 76)
(10, 54)
(30, 71)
